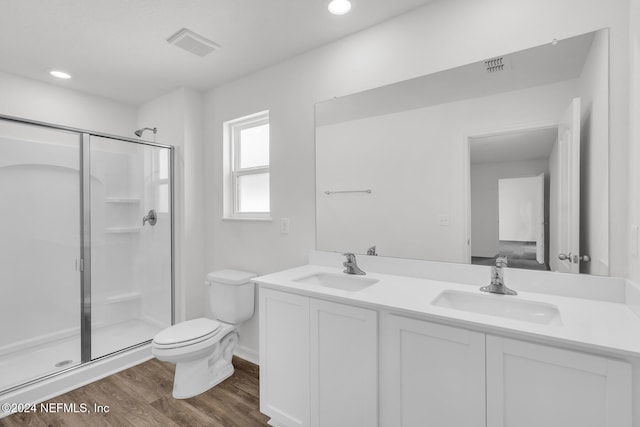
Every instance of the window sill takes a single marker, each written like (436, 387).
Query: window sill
(259, 219)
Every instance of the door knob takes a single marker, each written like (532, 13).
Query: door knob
(151, 217)
(574, 258)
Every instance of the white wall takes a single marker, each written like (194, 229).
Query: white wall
(415, 163)
(439, 36)
(47, 103)
(484, 200)
(178, 117)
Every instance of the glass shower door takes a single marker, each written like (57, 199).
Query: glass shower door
(131, 267)
(86, 259)
(40, 251)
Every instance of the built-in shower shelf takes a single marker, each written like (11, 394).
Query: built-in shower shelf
(123, 200)
(122, 230)
(123, 297)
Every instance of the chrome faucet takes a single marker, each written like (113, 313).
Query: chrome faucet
(497, 285)
(351, 265)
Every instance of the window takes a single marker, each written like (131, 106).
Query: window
(247, 177)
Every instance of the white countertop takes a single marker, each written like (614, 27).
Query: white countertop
(602, 326)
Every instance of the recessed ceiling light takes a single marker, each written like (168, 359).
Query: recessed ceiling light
(339, 7)
(60, 74)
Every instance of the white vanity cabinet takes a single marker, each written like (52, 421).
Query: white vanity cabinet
(531, 385)
(344, 365)
(318, 362)
(284, 358)
(430, 374)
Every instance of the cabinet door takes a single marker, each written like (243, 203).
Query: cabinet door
(344, 368)
(430, 375)
(284, 357)
(530, 385)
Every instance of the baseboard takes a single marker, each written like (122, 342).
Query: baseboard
(247, 354)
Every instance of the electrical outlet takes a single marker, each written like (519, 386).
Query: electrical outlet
(443, 220)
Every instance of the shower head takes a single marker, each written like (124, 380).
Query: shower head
(139, 131)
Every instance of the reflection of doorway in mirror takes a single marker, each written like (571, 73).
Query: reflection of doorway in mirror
(535, 229)
(510, 177)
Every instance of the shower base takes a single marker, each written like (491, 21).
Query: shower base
(40, 360)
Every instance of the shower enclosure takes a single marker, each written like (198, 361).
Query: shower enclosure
(81, 275)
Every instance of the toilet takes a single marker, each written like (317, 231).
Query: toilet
(202, 348)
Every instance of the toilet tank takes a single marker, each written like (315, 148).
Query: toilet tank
(231, 295)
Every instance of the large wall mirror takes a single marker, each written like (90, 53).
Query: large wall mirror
(507, 156)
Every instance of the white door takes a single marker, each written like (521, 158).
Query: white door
(540, 248)
(344, 365)
(569, 190)
(531, 385)
(430, 374)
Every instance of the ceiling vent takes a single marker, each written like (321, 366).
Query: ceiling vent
(192, 42)
(495, 65)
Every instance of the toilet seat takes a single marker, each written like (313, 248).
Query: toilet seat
(187, 333)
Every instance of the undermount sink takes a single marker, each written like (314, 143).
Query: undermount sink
(338, 281)
(510, 307)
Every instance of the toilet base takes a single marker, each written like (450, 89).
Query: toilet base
(189, 382)
(195, 377)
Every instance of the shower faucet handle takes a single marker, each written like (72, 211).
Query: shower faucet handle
(151, 217)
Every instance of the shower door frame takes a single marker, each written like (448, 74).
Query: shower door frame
(85, 237)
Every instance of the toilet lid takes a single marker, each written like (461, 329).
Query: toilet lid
(187, 331)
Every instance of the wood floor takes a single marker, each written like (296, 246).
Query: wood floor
(141, 396)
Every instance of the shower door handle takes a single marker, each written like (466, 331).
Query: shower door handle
(151, 217)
